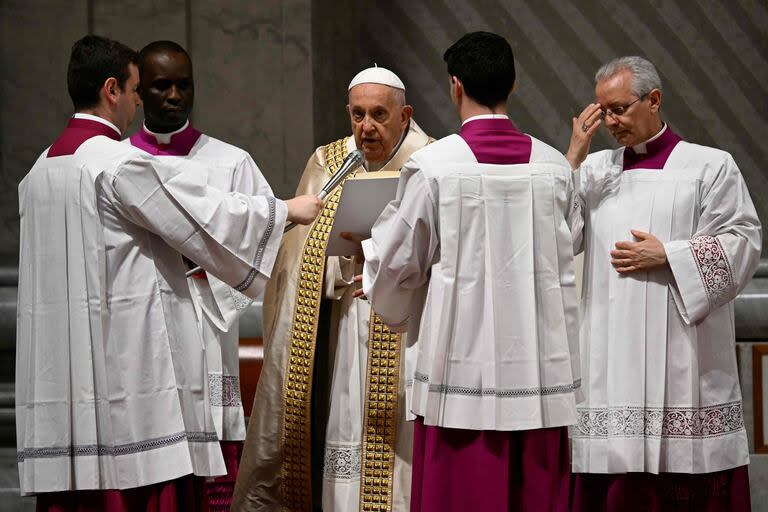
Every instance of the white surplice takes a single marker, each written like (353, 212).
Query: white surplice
(111, 387)
(218, 305)
(658, 348)
(475, 260)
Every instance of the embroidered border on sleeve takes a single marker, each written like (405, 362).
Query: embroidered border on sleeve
(714, 270)
(267, 232)
(668, 422)
(342, 462)
(260, 249)
(239, 300)
(224, 390)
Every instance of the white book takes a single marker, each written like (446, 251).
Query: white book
(362, 200)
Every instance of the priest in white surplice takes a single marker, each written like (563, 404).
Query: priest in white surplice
(670, 237)
(474, 259)
(112, 406)
(167, 91)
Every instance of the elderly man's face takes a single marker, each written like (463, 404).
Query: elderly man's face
(639, 120)
(378, 118)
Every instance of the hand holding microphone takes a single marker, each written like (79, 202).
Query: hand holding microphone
(304, 209)
(351, 162)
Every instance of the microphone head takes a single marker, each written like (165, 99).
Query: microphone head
(356, 156)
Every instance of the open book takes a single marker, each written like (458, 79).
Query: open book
(363, 198)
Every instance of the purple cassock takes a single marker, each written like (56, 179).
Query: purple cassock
(666, 492)
(488, 470)
(653, 154)
(76, 133)
(180, 144)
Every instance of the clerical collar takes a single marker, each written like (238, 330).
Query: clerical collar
(164, 138)
(176, 143)
(80, 115)
(642, 148)
(485, 116)
(656, 151)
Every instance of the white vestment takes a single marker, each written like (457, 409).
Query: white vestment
(661, 390)
(348, 347)
(218, 305)
(475, 260)
(111, 387)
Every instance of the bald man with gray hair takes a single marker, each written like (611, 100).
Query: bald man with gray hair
(670, 237)
(331, 392)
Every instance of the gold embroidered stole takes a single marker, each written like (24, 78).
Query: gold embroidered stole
(382, 377)
(377, 465)
(297, 387)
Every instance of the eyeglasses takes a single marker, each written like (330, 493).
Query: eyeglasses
(622, 110)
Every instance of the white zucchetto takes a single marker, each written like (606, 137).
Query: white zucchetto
(377, 75)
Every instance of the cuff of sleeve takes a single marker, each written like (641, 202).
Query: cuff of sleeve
(576, 177)
(272, 245)
(231, 303)
(687, 290)
(368, 271)
(339, 275)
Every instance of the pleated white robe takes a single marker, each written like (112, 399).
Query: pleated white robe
(111, 387)
(661, 389)
(218, 305)
(475, 262)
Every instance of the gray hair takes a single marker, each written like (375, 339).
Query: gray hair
(645, 78)
(399, 96)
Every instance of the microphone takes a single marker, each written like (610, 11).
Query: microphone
(350, 163)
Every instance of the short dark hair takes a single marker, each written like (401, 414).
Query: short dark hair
(484, 63)
(158, 47)
(93, 60)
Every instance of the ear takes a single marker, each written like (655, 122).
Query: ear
(406, 114)
(457, 85)
(110, 90)
(654, 98)
(349, 110)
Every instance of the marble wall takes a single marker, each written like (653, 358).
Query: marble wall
(253, 75)
(271, 75)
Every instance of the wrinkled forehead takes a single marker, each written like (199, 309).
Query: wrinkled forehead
(617, 87)
(370, 94)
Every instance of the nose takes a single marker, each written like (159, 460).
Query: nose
(367, 124)
(173, 94)
(610, 120)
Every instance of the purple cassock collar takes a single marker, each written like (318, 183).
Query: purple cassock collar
(656, 154)
(180, 145)
(496, 141)
(76, 133)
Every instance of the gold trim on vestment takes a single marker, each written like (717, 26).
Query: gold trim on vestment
(377, 464)
(382, 377)
(297, 386)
